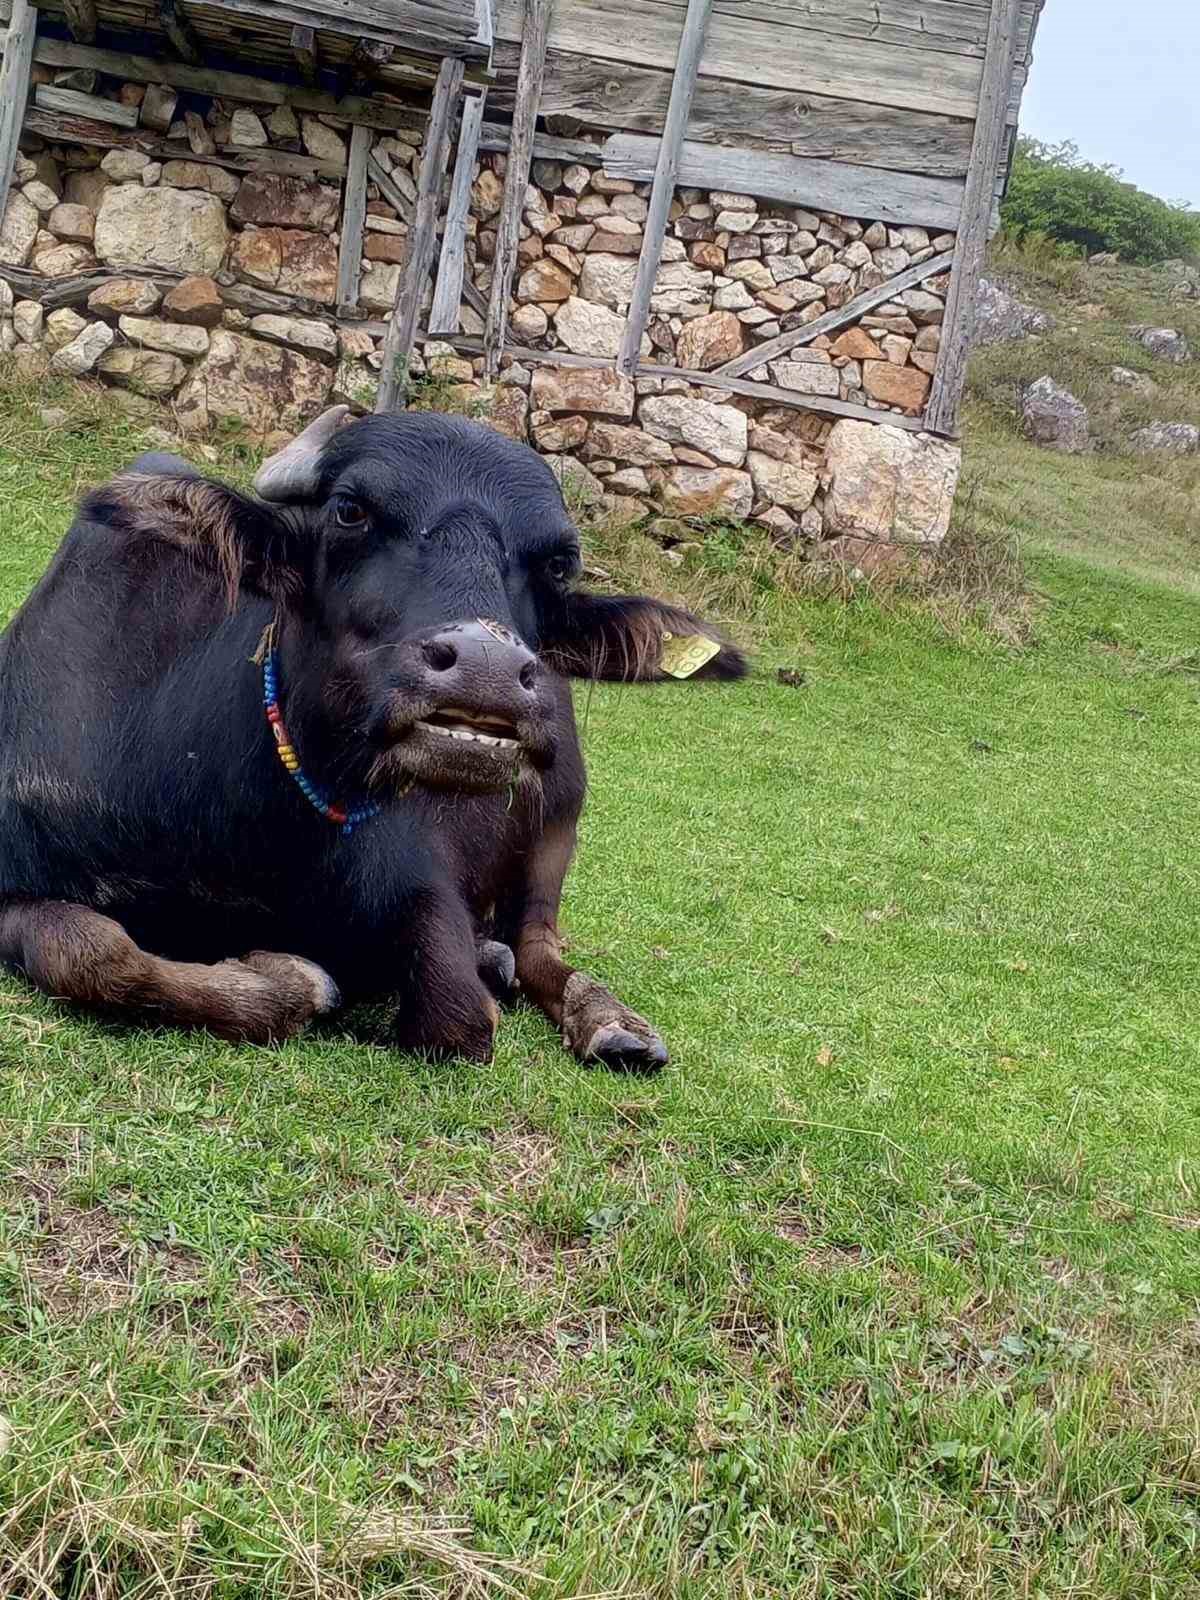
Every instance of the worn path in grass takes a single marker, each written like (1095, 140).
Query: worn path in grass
(888, 1285)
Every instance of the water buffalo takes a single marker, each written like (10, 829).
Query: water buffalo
(331, 720)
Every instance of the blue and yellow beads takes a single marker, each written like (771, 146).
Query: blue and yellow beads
(347, 820)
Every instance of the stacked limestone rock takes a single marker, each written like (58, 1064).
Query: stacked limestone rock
(735, 274)
(199, 249)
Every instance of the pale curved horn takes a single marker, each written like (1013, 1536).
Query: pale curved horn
(291, 473)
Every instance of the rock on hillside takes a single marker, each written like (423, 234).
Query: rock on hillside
(1054, 417)
(999, 315)
(1166, 438)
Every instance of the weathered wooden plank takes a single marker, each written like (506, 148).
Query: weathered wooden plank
(14, 86)
(84, 105)
(485, 17)
(666, 173)
(931, 25)
(383, 182)
(304, 50)
(516, 176)
(80, 18)
(447, 291)
(748, 50)
(422, 235)
(617, 96)
(546, 147)
(784, 397)
(70, 291)
(408, 23)
(950, 373)
(371, 113)
(354, 210)
(180, 32)
(380, 18)
(771, 349)
(83, 130)
(898, 197)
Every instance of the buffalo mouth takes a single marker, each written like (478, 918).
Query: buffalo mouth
(471, 727)
(472, 752)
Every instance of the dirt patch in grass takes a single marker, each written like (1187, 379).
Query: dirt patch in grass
(487, 1215)
(84, 1262)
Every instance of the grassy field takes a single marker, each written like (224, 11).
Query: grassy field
(887, 1287)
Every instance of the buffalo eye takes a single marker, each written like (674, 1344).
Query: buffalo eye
(559, 568)
(349, 512)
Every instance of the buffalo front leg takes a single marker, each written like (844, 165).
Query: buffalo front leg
(447, 984)
(594, 1023)
(78, 955)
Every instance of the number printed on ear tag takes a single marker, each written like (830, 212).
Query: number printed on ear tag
(686, 653)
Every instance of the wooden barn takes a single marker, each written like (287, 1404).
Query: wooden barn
(619, 209)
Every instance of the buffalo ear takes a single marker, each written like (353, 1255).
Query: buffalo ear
(632, 639)
(246, 544)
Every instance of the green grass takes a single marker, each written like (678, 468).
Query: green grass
(887, 1287)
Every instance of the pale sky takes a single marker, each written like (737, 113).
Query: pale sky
(1121, 79)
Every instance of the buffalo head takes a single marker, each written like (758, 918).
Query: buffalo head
(425, 571)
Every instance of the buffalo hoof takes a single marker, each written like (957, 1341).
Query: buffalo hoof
(597, 1027)
(616, 1047)
(497, 966)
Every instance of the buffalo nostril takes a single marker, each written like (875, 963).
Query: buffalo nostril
(527, 676)
(440, 654)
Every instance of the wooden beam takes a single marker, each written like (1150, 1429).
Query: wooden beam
(74, 104)
(950, 373)
(14, 87)
(516, 177)
(66, 129)
(354, 209)
(772, 349)
(304, 53)
(180, 32)
(422, 237)
(80, 18)
(896, 197)
(790, 44)
(372, 113)
(497, 136)
(447, 292)
(632, 99)
(666, 175)
(784, 397)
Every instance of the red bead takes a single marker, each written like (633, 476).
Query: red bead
(335, 815)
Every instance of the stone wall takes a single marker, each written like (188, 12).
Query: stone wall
(194, 325)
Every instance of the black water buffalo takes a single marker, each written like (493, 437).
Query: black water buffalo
(332, 721)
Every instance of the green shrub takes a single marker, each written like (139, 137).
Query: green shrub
(1088, 208)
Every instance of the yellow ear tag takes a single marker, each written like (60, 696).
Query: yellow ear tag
(686, 653)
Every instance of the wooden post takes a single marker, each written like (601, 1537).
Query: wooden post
(180, 32)
(422, 236)
(304, 52)
(950, 374)
(14, 87)
(679, 109)
(516, 176)
(354, 209)
(80, 17)
(447, 292)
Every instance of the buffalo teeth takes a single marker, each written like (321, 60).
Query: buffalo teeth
(468, 735)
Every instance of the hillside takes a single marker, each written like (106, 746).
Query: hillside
(1113, 509)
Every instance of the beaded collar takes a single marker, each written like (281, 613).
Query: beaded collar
(342, 816)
